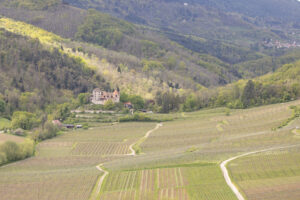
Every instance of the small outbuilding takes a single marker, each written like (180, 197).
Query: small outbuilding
(128, 105)
(70, 126)
(79, 126)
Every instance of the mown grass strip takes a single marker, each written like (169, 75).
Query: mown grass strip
(296, 114)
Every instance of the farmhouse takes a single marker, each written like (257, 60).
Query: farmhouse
(101, 97)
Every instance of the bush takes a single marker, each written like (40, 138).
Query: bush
(141, 117)
(11, 151)
(83, 98)
(3, 158)
(49, 131)
(109, 105)
(2, 106)
(27, 148)
(85, 126)
(24, 120)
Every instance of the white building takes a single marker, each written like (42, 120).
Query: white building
(101, 97)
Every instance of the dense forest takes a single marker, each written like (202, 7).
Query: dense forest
(33, 77)
(281, 86)
(233, 20)
(32, 4)
(188, 61)
(170, 56)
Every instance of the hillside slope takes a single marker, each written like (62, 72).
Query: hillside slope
(206, 18)
(32, 76)
(209, 60)
(156, 59)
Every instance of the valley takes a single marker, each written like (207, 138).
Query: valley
(149, 100)
(179, 160)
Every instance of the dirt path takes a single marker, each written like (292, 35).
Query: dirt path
(226, 174)
(105, 173)
(133, 153)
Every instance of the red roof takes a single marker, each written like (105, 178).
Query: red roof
(57, 122)
(116, 92)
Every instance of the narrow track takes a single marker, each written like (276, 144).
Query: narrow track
(226, 174)
(133, 153)
(101, 179)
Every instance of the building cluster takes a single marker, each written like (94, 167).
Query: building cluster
(100, 97)
(280, 45)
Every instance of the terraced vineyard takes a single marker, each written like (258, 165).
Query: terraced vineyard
(270, 175)
(186, 182)
(61, 169)
(179, 160)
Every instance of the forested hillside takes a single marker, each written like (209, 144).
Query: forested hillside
(281, 86)
(121, 36)
(33, 77)
(163, 61)
(206, 61)
(206, 18)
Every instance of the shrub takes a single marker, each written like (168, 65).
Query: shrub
(141, 117)
(2, 106)
(85, 126)
(109, 105)
(11, 151)
(3, 158)
(49, 131)
(24, 120)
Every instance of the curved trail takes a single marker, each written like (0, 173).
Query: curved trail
(101, 179)
(133, 153)
(226, 174)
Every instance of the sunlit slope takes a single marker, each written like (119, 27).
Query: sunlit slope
(129, 80)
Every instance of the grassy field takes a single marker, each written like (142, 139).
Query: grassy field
(8, 137)
(62, 169)
(4, 123)
(185, 182)
(271, 175)
(180, 160)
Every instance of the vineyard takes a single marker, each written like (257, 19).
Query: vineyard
(179, 160)
(101, 149)
(272, 175)
(64, 167)
(183, 183)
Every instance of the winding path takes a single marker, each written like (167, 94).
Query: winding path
(133, 153)
(105, 173)
(226, 174)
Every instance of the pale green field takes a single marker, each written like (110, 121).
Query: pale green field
(179, 182)
(272, 175)
(180, 160)
(63, 170)
(8, 137)
(4, 123)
